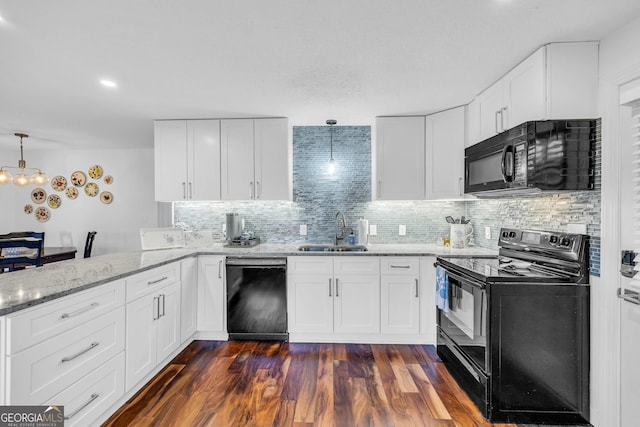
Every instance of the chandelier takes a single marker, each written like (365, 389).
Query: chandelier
(21, 179)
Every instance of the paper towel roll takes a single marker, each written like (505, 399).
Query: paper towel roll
(362, 231)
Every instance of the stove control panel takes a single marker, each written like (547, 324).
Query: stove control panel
(538, 239)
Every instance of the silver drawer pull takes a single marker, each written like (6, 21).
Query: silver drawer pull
(417, 296)
(80, 353)
(153, 282)
(400, 266)
(93, 397)
(82, 310)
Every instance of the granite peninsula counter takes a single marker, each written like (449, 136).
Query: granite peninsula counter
(33, 286)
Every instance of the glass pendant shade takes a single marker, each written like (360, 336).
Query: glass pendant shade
(5, 177)
(21, 179)
(39, 178)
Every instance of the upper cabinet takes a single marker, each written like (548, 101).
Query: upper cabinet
(444, 151)
(400, 167)
(255, 162)
(187, 160)
(558, 81)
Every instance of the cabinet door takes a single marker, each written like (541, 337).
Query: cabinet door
(444, 144)
(428, 300)
(524, 91)
(237, 162)
(310, 302)
(357, 303)
(211, 294)
(204, 159)
(400, 158)
(141, 338)
(490, 105)
(168, 323)
(400, 304)
(170, 154)
(272, 159)
(189, 298)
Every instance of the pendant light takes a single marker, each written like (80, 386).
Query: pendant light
(331, 124)
(22, 179)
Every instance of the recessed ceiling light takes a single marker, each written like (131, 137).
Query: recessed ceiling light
(108, 83)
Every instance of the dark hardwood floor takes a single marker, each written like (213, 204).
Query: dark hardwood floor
(248, 383)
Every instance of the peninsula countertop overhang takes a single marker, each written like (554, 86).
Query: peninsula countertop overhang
(23, 289)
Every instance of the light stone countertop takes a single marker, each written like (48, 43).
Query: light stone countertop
(33, 286)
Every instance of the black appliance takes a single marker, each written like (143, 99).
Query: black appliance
(257, 298)
(553, 155)
(513, 330)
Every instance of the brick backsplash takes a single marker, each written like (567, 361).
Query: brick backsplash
(318, 195)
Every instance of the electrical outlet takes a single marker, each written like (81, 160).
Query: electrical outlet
(402, 230)
(373, 230)
(487, 233)
(303, 229)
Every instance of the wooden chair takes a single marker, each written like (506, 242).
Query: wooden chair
(89, 243)
(20, 252)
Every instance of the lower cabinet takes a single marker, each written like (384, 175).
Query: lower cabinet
(400, 295)
(211, 297)
(153, 331)
(188, 298)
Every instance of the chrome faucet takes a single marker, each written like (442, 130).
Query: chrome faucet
(341, 225)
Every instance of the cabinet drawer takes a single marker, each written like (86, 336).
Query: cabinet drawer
(89, 397)
(310, 264)
(144, 283)
(356, 265)
(40, 323)
(38, 373)
(400, 266)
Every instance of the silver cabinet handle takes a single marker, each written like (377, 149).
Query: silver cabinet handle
(495, 120)
(258, 190)
(629, 296)
(337, 290)
(460, 188)
(220, 269)
(153, 282)
(82, 310)
(400, 266)
(184, 190)
(330, 286)
(80, 353)
(251, 189)
(503, 114)
(163, 306)
(379, 188)
(156, 308)
(190, 191)
(416, 288)
(93, 397)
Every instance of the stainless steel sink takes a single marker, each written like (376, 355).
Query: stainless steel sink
(332, 248)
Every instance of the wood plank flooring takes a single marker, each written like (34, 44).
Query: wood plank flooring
(248, 383)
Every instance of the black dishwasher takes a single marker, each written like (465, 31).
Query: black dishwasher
(257, 298)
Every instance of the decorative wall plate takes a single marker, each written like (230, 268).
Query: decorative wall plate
(108, 179)
(28, 209)
(42, 214)
(78, 178)
(106, 197)
(38, 195)
(54, 201)
(91, 189)
(95, 172)
(71, 192)
(59, 183)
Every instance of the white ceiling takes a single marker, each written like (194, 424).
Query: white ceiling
(308, 60)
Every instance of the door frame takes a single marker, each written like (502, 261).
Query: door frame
(605, 305)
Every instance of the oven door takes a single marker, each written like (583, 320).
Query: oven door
(465, 322)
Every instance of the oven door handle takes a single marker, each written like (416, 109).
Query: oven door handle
(507, 164)
(463, 279)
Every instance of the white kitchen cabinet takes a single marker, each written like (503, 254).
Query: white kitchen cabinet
(188, 298)
(400, 158)
(153, 331)
(211, 297)
(333, 294)
(558, 81)
(400, 295)
(187, 160)
(444, 154)
(428, 299)
(255, 160)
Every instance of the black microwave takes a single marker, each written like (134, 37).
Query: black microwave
(551, 156)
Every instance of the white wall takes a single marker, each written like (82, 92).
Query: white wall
(117, 224)
(619, 62)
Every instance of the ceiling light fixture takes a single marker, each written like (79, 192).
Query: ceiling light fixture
(108, 83)
(331, 124)
(22, 179)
